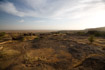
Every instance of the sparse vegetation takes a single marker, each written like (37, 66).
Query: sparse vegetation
(53, 51)
(81, 33)
(8, 53)
(96, 33)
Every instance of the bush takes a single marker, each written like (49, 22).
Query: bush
(2, 34)
(91, 39)
(18, 38)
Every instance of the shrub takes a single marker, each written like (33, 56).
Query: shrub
(17, 38)
(91, 39)
(2, 34)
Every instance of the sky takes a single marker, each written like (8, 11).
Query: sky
(51, 14)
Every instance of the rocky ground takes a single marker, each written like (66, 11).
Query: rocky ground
(53, 52)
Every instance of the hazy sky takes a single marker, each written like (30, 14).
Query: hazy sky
(51, 14)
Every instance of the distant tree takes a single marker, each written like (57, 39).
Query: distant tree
(91, 39)
(92, 32)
